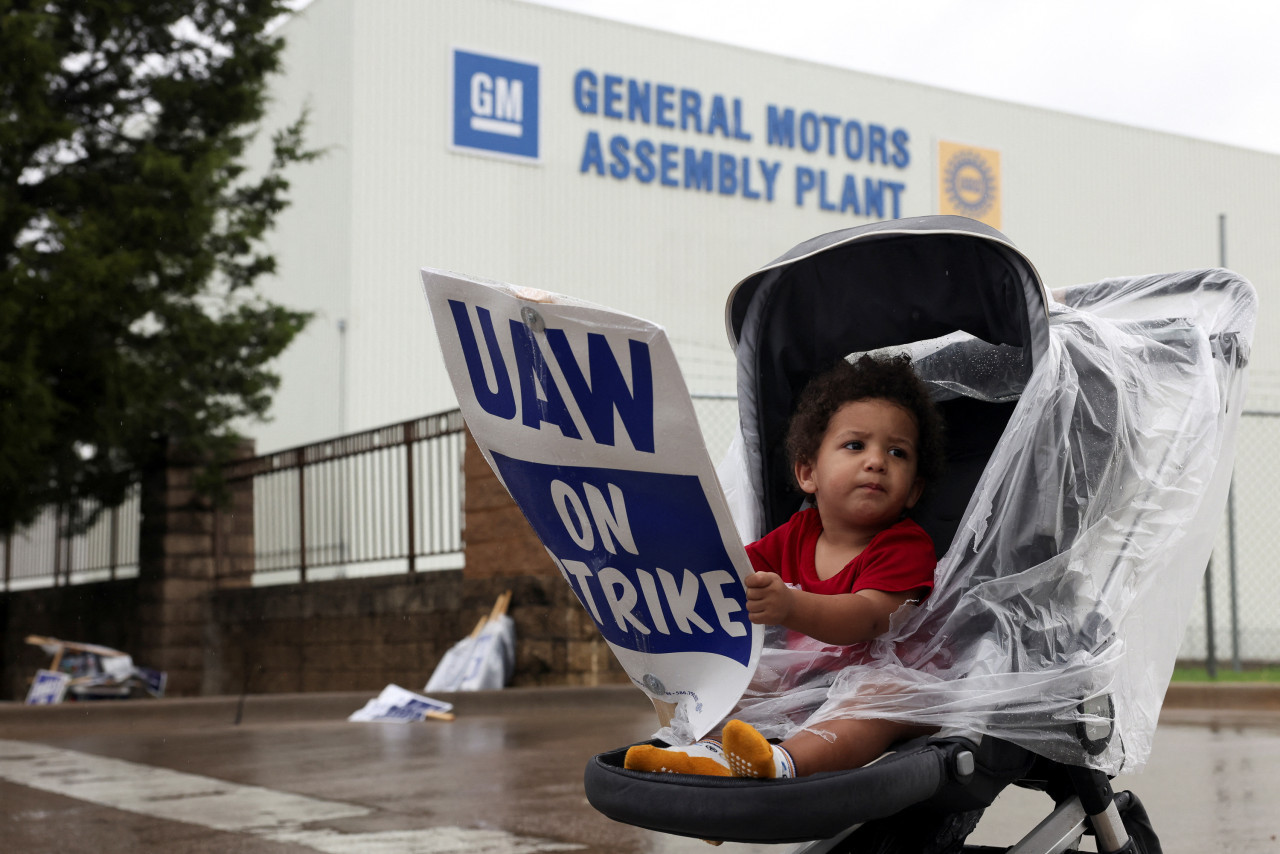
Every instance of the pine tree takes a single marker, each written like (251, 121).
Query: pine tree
(132, 234)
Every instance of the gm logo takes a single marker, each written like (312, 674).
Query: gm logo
(495, 105)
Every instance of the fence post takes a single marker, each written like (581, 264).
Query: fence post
(67, 562)
(1231, 575)
(115, 542)
(408, 477)
(302, 517)
(1210, 648)
(57, 546)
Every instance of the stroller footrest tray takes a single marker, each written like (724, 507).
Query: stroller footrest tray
(733, 809)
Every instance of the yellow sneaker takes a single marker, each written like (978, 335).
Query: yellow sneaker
(694, 759)
(751, 755)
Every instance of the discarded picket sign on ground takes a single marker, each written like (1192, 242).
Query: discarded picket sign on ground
(396, 705)
(85, 671)
(485, 659)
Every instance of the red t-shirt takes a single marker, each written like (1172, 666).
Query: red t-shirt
(899, 558)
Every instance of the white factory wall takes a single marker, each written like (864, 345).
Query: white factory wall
(1085, 199)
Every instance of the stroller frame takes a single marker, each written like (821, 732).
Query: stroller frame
(927, 794)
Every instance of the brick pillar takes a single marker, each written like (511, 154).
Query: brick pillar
(178, 569)
(556, 641)
(497, 540)
(233, 526)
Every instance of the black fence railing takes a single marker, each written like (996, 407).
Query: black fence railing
(384, 500)
(50, 552)
(390, 500)
(381, 501)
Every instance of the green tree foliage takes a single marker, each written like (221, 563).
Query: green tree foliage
(131, 234)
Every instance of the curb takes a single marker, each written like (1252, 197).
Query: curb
(320, 707)
(204, 712)
(1240, 697)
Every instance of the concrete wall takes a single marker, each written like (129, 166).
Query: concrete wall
(363, 634)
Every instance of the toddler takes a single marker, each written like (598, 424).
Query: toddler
(863, 441)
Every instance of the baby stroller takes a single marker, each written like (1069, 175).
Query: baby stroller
(1090, 442)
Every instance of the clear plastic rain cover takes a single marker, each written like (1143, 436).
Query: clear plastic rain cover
(1064, 596)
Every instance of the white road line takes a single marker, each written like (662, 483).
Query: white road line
(436, 840)
(219, 805)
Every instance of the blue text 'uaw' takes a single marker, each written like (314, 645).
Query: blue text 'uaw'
(528, 390)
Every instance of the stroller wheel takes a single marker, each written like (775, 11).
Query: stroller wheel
(912, 832)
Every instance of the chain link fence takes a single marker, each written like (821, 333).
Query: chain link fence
(718, 418)
(1236, 618)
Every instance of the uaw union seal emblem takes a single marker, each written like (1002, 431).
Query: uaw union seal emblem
(970, 183)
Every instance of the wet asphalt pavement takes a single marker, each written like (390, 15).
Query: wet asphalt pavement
(505, 777)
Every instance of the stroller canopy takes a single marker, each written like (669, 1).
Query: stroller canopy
(864, 289)
(1090, 441)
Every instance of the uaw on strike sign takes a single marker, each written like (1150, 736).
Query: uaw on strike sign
(585, 418)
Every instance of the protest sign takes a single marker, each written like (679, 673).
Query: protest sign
(585, 418)
(48, 688)
(482, 661)
(396, 705)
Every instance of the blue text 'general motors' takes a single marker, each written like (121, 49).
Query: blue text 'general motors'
(637, 143)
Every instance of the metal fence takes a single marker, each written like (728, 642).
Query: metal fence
(348, 507)
(390, 500)
(50, 553)
(1236, 620)
(385, 500)
(718, 418)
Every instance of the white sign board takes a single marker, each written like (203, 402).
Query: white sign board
(48, 688)
(585, 418)
(396, 705)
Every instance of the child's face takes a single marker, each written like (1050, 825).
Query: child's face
(864, 475)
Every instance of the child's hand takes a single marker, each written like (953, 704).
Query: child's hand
(769, 599)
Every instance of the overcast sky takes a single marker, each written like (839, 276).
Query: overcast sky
(1203, 68)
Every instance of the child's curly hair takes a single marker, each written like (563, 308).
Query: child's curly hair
(888, 378)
